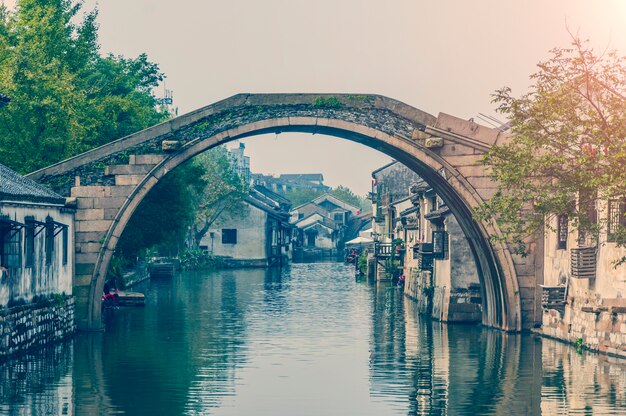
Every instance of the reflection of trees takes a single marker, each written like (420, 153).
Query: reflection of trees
(179, 354)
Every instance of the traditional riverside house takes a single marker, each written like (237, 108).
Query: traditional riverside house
(292, 182)
(321, 223)
(257, 234)
(37, 257)
(584, 290)
(414, 228)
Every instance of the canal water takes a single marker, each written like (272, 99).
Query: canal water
(307, 340)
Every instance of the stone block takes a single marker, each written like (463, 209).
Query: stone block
(90, 247)
(133, 169)
(482, 182)
(93, 225)
(465, 160)
(84, 268)
(170, 145)
(111, 202)
(110, 213)
(84, 203)
(90, 191)
(128, 179)
(146, 159)
(89, 214)
(84, 258)
(88, 236)
(82, 280)
(122, 190)
(433, 143)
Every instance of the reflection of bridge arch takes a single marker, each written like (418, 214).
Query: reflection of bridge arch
(109, 182)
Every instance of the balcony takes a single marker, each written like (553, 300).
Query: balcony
(583, 262)
(553, 297)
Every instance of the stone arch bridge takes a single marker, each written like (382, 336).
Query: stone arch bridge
(109, 182)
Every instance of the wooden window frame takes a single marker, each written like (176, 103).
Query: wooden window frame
(562, 231)
(229, 236)
(616, 218)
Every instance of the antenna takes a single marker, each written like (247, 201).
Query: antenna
(167, 99)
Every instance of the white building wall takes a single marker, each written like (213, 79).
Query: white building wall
(250, 223)
(41, 279)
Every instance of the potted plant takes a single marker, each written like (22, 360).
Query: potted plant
(398, 243)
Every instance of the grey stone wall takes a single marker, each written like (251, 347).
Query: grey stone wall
(595, 328)
(27, 327)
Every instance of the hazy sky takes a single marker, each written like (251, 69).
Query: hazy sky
(439, 56)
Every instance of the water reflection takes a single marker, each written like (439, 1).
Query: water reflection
(305, 340)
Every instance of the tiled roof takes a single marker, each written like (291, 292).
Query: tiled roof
(15, 187)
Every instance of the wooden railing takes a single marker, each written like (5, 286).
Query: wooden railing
(553, 297)
(583, 262)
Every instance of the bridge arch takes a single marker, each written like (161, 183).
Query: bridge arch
(110, 176)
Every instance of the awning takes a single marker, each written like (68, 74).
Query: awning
(359, 240)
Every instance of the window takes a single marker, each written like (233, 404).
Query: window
(616, 220)
(562, 231)
(10, 243)
(29, 243)
(49, 240)
(440, 244)
(338, 217)
(229, 236)
(65, 244)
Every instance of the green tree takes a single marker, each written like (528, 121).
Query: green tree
(65, 97)
(302, 195)
(224, 190)
(567, 144)
(345, 194)
(165, 215)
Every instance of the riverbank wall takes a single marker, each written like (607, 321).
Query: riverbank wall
(31, 326)
(597, 328)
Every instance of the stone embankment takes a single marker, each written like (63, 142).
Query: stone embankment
(599, 328)
(27, 327)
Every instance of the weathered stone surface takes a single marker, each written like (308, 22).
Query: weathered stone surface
(146, 159)
(128, 169)
(90, 191)
(128, 179)
(92, 225)
(89, 214)
(34, 326)
(111, 202)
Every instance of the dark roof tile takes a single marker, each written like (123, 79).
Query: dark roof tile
(15, 187)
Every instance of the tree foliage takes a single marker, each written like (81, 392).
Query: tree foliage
(165, 214)
(224, 190)
(567, 144)
(65, 97)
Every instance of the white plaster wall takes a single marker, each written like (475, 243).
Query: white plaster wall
(610, 282)
(463, 272)
(41, 279)
(250, 223)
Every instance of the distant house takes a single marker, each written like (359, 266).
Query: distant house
(413, 226)
(322, 222)
(257, 234)
(291, 182)
(36, 240)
